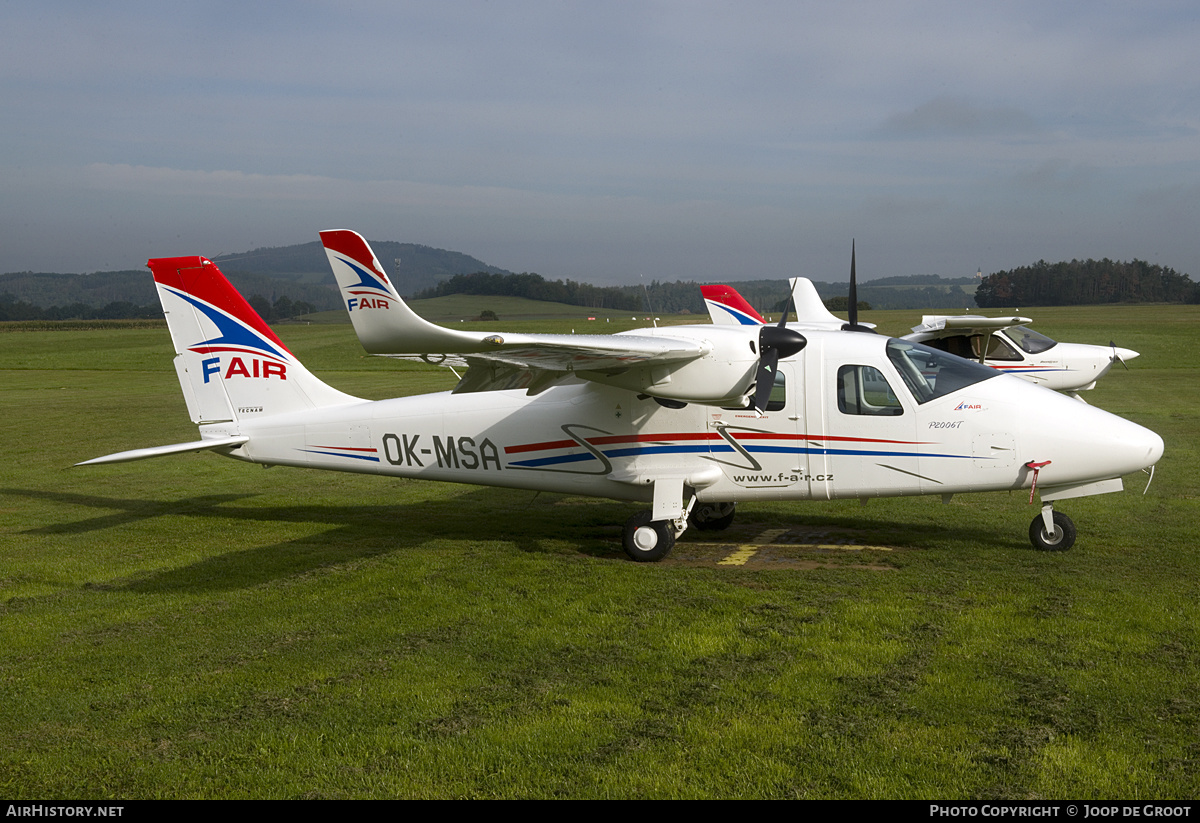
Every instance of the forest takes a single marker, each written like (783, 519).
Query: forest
(1081, 282)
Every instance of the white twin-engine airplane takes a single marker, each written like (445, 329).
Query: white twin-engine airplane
(687, 420)
(1000, 342)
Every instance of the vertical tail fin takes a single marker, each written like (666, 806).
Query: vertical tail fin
(375, 307)
(810, 308)
(728, 308)
(384, 323)
(230, 364)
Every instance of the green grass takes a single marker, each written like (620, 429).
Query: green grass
(197, 627)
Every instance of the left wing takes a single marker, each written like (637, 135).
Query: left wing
(386, 325)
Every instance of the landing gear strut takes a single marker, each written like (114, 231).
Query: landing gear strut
(1052, 531)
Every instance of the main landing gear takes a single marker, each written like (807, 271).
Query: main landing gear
(647, 540)
(1051, 531)
(712, 517)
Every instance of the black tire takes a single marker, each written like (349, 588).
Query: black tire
(1062, 539)
(712, 517)
(646, 540)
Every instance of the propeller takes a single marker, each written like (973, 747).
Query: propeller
(853, 324)
(774, 342)
(1116, 355)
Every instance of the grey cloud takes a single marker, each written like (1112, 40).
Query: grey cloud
(956, 117)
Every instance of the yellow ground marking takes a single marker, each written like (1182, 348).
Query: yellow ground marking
(845, 547)
(745, 552)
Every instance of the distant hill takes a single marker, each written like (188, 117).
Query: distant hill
(44, 289)
(411, 266)
(300, 272)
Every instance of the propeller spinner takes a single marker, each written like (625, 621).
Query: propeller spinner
(774, 342)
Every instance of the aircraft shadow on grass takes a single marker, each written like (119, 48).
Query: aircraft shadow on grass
(526, 521)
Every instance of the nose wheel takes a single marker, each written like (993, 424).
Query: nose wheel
(1052, 531)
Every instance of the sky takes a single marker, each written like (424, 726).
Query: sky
(608, 142)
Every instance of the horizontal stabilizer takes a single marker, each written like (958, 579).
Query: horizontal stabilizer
(159, 451)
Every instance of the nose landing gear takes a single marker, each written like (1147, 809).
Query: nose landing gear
(1052, 531)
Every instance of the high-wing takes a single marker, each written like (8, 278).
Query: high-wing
(649, 360)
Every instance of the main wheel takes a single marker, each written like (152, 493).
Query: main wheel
(712, 517)
(647, 540)
(1062, 539)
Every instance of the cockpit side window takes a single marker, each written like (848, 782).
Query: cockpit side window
(930, 374)
(1029, 340)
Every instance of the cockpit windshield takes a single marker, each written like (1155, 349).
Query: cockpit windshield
(1030, 341)
(930, 374)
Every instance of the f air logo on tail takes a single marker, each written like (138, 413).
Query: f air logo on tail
(238, 368)
(371, 291)
(367, 301)
(252, 356)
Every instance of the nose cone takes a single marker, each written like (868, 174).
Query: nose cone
(1086, 444)
(1134, 447)
(1124, 355)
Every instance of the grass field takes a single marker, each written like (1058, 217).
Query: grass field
(193, 627)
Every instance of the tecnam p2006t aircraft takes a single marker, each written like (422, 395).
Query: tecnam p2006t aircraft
(686, 420)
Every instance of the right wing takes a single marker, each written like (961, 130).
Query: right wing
(386, 325)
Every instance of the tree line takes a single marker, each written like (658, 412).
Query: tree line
(536, 287)
(1081, 282)
(11, 308)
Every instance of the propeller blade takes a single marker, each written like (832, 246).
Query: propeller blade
(853, 289)
(768, 363)
(853, 324)
(787, 307)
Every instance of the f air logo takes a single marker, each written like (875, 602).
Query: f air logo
(366, 303)
(239, 368)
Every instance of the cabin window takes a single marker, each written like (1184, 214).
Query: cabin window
(776, 401)
(967, 346)
(957, 344)
(864, 390)
(778, 398)
(997, 347)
